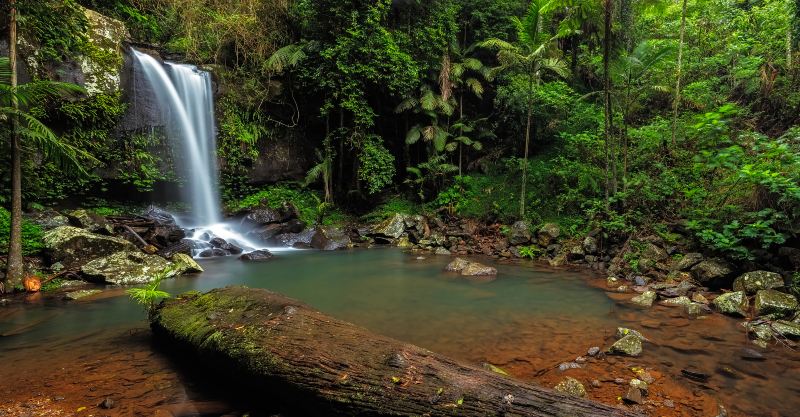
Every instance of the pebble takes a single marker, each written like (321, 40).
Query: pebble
(634, 395)
(695, 374)
(568, 365)
(596, 383)
(669, 404)
(752, 355)
(580, 359)
(107, 404)
(593, 351)
(420, 258)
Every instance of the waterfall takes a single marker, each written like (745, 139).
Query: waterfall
(185, 97)
(185, 94)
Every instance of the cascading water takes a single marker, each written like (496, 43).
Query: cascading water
(184, 94)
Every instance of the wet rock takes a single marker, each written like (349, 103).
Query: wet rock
(257, 256)
(646, 299)
(786, 329)
(442, 252)
(752, 282)
(634, 396)
(90, 221)
(695, 310)
(590, 245)
(127, 268)
(761, 330)
(676, 302)
(774, 302)
(469, 268)
(612, 282)
(107, 404)
(695, 374)
(576, 253)
(217, 242)
(629, 345)
(184, 264)
(392, 227)
(571, 386)
(73, 246)
(267, 215)
(688, 261)
(330, 238)
(699, 298)
(682, 288)
(495, 369)
(593, 351)
(77, 295)
(712, 272)
(548, 234)
(302, 239)
(212, 252)
(520, 233)
(641, 281)
(749, 354)
(624, 331)
(732, 303)
(565, 366)
(639, 384)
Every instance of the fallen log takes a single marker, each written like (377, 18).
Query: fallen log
(326, 366)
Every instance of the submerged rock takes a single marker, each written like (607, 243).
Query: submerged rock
(630, 345)
(645, 299)
(775, 302)
(571, 386)
(127, 268)
(733, 303)
(77, 295)
(752, 282)
(185, 264)
(695, 310)
(257, 256)
(73, 246)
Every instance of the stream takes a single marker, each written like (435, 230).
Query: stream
(63, 356)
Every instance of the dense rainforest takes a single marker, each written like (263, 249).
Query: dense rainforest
(653, 142)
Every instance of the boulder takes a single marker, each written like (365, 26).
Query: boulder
(127, 268)
(694, 310)
(469, 268)
(548, 234)
(571, 386)
(732, 303)
(520, 233)
(48, 219)
(302, 239)
(645, 299)
(775, 302)
(267, 215)
(90, 221)
(212, 252)
(590, 245)
(257, 256)
(688, 261)
(629, 345)
(752, 282)
(676, 302)
(184, 264)
(73, 246)
(654, 252)
(392, 227)
(330, 238)
(712, 272)
(786, 328)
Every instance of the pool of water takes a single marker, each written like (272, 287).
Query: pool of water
(527, 321)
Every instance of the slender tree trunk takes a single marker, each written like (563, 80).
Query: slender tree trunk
(607, 6)
(527, 145)
(15, 267)
(341, 150)
(678, 72)
(461, 130)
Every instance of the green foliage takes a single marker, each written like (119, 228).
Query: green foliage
(309, 205)
(150, 294)
(530, 252)
(376, 164)
(390, 207)
(32, 235)
(58, 27)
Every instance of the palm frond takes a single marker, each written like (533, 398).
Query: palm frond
(475, 86)
(288, 56)
(413, 135)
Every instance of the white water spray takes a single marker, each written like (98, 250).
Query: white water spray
(184, 93)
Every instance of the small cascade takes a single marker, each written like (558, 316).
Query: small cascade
(185, 95)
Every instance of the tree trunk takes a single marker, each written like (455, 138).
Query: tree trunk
(320, 365)
(677, 101)
(607, 9)
(527, 144)
(461, 130)
(15, 267)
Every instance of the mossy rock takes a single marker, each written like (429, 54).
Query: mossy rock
(752, 282)
(73, 246)
(630, 345)
(128, 268)
(732, 303)
(775, 302)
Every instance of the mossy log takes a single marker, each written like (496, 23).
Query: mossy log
(331, 367)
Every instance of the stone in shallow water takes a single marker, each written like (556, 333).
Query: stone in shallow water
(624, 331)
(696, 309)
(676, 302)
(257, 256)
(629, 345)
(787, 329)
(77, 295)
(774, 302)
(634, 395)
(468, 268)
(593, 351)
(185, 264)
(571, 386)
(646, 299)
(565, 366)
(752, 282)
(733, 303)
